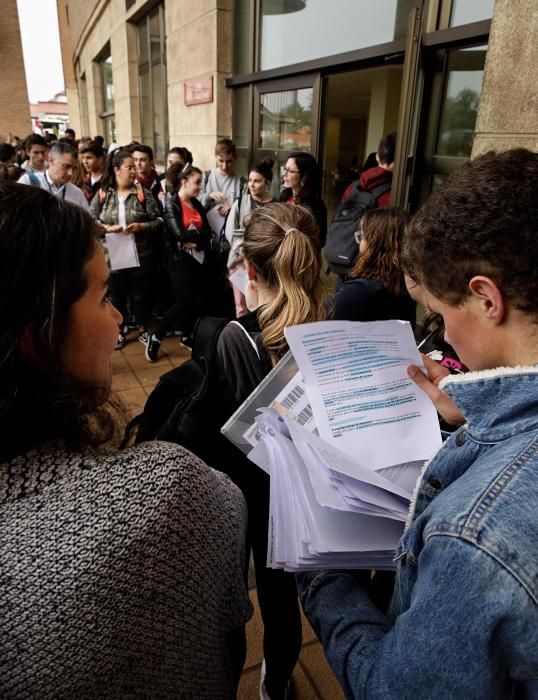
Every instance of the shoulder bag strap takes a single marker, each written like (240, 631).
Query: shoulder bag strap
(250, 339)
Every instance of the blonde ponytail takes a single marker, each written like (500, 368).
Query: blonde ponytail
(282, 243)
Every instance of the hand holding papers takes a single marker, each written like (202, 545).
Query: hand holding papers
(216, 220)
(303, 534)
(198, 255)
(343, 446)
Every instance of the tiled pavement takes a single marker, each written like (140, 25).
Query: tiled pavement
(133, 379)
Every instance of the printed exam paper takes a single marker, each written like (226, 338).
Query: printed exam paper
(362, 399)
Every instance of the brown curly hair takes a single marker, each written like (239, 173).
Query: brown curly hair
(482, 221)
(382, 230)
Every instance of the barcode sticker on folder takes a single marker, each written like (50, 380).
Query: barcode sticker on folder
(293, 402)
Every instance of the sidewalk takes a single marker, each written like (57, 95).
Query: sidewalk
(133, 379)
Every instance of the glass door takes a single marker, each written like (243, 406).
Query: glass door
(361, 106)
(286, 118)
(452, 94)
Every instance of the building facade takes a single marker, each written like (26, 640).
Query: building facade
(14, 105)
(452, 77)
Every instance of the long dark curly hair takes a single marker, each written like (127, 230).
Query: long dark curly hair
(45, 244)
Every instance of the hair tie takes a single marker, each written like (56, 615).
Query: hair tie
(289, 230)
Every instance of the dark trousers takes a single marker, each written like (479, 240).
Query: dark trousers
(186, 277)
(277, 596)
(132, 285)
(276, 589)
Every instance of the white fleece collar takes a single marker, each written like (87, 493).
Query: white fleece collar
(461, 379)
(487, 374)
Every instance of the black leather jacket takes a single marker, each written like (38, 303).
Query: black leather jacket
(176, 233)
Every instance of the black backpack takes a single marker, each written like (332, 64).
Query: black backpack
(182, 407)
(341, 248)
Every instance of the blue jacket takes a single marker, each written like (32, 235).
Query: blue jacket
(463, 622)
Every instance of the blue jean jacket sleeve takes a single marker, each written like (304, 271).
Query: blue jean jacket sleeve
(458, 638)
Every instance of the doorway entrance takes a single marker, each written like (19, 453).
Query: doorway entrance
(339, 118)
(360, 107)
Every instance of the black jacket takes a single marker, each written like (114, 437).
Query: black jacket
(176, 234)
(316, 206)
(369, 300)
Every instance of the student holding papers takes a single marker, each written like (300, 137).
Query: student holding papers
(283, 260)
(131, 215)
(188, 236)
(463, 621)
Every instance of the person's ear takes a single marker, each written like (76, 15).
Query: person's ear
(251, 271)
(489, 298)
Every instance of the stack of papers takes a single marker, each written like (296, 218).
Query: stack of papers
(343, 440)
(122, 251)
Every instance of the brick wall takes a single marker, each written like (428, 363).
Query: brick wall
(14, 106)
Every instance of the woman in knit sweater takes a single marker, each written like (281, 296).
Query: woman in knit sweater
(107, 559)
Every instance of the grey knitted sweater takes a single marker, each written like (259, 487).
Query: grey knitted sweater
(120, 575)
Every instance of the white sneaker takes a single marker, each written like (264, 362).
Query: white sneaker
(264, 695)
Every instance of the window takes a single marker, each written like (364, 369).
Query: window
(464, 12)
(107, 92)
(293, 31)
(454, 90)
(463, 85)
(286, 120)
(152, 81)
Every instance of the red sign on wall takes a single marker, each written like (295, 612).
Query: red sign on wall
(198, 90)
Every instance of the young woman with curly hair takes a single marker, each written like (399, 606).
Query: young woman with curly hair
(375, 290)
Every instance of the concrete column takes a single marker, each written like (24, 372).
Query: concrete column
(125, 78)
(507, 114)
(95, 99)
(199, 42)
(71, 89)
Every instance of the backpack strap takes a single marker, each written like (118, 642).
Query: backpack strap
(102, 199)
(379, 190)
(141, 195)
(250, 338)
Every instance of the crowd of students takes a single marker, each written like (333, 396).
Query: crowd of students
(187, 225)
(144, 550)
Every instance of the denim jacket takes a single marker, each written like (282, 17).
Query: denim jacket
(463, 621)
